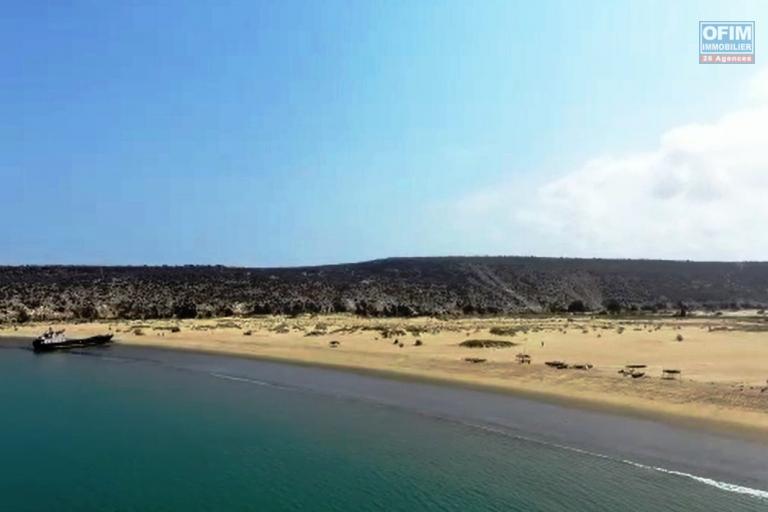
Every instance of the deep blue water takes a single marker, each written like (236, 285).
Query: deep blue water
(86, 433)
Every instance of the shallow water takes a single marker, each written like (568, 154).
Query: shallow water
(122, 434)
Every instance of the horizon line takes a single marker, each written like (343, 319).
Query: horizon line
(374, 260)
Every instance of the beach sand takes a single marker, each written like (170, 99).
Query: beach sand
(723, 360)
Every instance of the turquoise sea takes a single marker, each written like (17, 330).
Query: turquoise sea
(113, 433)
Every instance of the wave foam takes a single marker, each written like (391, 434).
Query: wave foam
(724, 486)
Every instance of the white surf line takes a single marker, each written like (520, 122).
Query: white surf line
(240, 379)
(724, 486)
(247, 380)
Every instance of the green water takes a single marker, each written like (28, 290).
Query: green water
(84, 434)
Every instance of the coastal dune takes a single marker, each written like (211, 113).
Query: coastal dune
(719, 378)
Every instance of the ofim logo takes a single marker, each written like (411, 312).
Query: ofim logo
(726, 42)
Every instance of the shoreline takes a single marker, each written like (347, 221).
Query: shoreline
(716, 356)
(693, 452)
(698, 423)
(724, 428)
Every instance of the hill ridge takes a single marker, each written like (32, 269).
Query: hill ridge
(398, 286)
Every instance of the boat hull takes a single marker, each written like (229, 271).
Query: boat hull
(39, 346)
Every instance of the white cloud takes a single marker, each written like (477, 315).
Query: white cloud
(701, 194)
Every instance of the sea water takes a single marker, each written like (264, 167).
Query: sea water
(103, 433)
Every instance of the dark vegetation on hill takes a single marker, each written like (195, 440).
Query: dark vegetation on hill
(389, 287)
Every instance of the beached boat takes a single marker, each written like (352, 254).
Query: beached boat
(54, 340)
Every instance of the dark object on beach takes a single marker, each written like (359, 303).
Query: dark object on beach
(56, 340)
(487, 344)
(417, 343)
(247, 333)
(560, 365)
(585, 366)
(670, 374)
(679, 337)
(523, 358)
(633, 370)
(475, 359)
(334, 343)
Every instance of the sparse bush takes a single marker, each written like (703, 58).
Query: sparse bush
(556, 308)
(506, 331)
(86, 311)
(185, 310)
(612, 306)
(22, 316)
(577, 306)
(387, 333)
(281, 328)
(487, 344)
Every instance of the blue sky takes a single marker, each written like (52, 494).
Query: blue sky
(287, 133)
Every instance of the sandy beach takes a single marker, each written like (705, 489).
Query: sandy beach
(722, 360)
